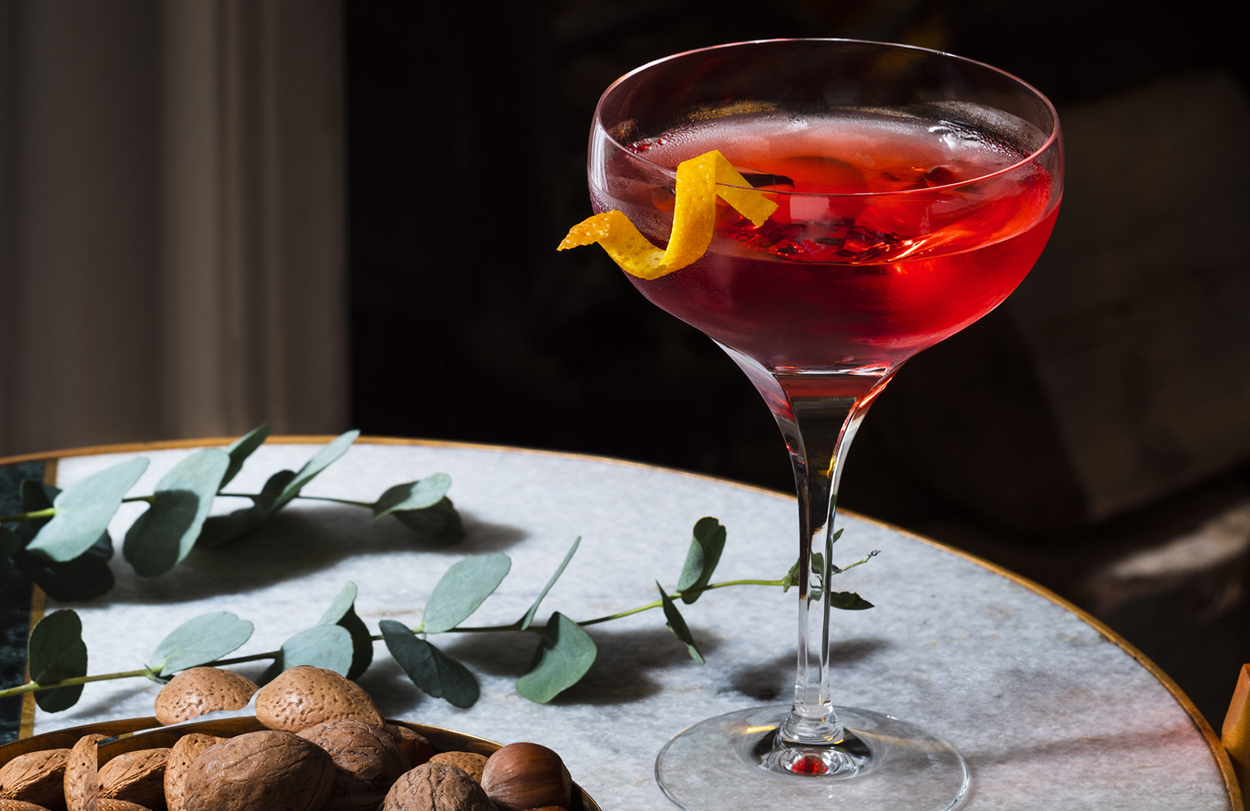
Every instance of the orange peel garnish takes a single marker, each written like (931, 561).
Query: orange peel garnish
(694, 219)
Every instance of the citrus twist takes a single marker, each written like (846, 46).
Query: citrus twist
(694, 218)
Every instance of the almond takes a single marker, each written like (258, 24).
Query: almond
(36, 777)
(137, 777)
(181, 755)
(194, 692)
(304, 696)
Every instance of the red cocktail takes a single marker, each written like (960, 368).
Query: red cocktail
(914, 191)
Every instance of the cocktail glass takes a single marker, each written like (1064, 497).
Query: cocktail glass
(915, 190)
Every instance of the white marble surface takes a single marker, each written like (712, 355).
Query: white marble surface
(1049, 713)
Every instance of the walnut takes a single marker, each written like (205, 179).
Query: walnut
(415, 745)
(367, 762)
(436, 787)
(271, 770)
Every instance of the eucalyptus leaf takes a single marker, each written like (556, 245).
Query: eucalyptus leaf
(240, 449)
(326, 646)
(528, 619)
(705, 551)
(677, 625)
(436, 673)
(84, 578)
(462, 589)
(164, 535)
(439, 524)
(319, 462)
(416, 495)
(221, 529)
(342, 612)
(55, 651)
(198, 641)
(36, 496)
(562, 658)
(84, 510)
(848, 601)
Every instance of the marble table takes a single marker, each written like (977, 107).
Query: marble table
(1051, 710)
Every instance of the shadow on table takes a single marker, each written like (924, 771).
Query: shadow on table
(773, 680)
(296, 543)
(620, 673)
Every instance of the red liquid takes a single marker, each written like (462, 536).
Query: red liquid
(847, 275)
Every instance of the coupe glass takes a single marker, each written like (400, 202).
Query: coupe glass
(914, 191)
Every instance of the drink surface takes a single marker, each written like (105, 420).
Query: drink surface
(891, 233)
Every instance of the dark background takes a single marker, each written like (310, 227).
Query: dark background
(467, 140)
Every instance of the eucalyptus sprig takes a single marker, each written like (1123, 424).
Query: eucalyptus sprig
(340, 640)
(60, 539)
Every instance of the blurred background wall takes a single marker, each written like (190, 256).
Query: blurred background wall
(326, 214)
(172, 220)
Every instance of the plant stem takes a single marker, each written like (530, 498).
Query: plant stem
(31, 687)
(30, 516)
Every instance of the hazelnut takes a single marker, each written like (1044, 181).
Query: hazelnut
(415, 745)
(436, 787)
(194, 692)
(303, 696)
(366, 759)
(181, 755)
(470, 763)
(522, 776)
(137, 777)
(36, 777)
(273, 770)
(82, 779)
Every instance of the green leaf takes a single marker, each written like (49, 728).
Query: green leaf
(319, 462)
(848, 601)
(83, 511)
(220, 529)
(678, 625)
(55, 652)
(705, 550)
(199, 641)
(439, 524)
(325, 646)
(164, 535)
(242, 448)
(528, 619)
(416, 495)
(342, 612)
(462, 589)
(563, 656)
(84, 578)
(436, 673)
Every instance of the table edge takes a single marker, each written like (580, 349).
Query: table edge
(1231, 785)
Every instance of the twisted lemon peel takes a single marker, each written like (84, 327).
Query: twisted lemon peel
(693, 219)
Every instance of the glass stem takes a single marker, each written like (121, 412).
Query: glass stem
(818, 413)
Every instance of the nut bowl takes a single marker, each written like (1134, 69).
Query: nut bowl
(133, 734)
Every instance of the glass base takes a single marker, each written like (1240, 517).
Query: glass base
(882, 764)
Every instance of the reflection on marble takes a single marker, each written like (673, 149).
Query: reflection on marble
(1048, 712)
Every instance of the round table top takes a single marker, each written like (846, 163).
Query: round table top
(1050, 709)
